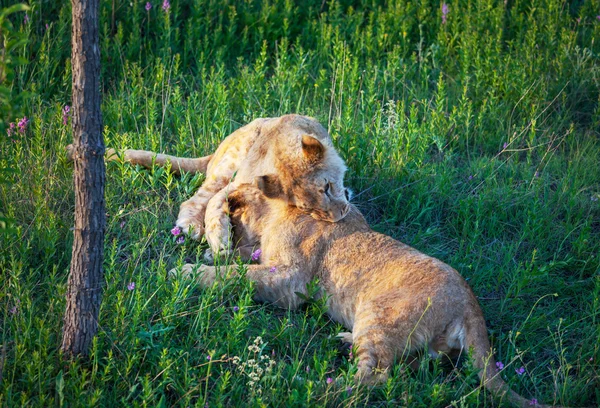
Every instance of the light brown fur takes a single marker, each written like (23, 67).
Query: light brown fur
(395, 300)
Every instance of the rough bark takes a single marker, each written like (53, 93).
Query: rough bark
(84, 291)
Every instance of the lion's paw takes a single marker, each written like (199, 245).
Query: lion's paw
(345, 337)
(190, 227)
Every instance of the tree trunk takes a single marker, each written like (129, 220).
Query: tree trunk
(84, 291)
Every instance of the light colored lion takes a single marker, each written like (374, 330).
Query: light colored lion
(296, 147)
(395, 300)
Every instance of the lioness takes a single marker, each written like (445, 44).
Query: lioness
(296, 147)
(395, 300)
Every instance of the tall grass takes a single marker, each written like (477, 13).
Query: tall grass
(475, 140)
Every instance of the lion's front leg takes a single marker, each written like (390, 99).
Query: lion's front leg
(192, 211)
(204, 275)
(277, 285)
(218, 229)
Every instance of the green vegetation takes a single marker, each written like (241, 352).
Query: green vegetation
(471, 132)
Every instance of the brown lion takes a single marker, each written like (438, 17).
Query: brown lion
(395, 300)
(296, 147)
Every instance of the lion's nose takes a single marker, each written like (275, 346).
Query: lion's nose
(337, 214)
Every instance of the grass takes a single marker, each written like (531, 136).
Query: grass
(476, 141)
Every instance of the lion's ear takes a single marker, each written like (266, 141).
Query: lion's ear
(312, 149)
(269, 185)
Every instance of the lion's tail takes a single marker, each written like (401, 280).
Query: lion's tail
(148, 159)
(476, 338)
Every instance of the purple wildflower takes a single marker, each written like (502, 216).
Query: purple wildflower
(598, 17)
(11, 129)
(180, 239)
(533, 402)
(445, 10)
(122, 224)
(166, 5)
(26, 19)
(273, 269)
(148, 6)
(499, 365)
(66, 113)
(236, 308)
(307, 369)
(520, 370)
(46, 26)
(536, 174)
(23, 124)
(329, 380)
(349, 390)
(470, 177)
(131, 286)
(505, 145)
(208, 357)
(256, 255)
(176, 231)
(15, 309)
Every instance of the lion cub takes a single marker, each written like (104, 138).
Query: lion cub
(395, 300)
(295, 147)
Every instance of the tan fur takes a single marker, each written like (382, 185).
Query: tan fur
(396, 300)
(295, 147)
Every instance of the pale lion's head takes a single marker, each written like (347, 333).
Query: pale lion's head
(313, 182)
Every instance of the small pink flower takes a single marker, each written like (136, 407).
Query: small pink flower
(307, 369)
(273, 269)
(499, 365)
(349, 390)
(131, 286)
(598, 17)
(445, 11)
(208, 357)
(180, 239)
(26, 19)
(520, 370)
(166, 5)
(536, 174)
(11, 129)
(122, 224)
(176, 231)
(15, 309)
(329, 380)
(236, 308)
(533, 402)
(256, 255)
(470, 177)
(148, 6)
(505, 145)
(23, 124)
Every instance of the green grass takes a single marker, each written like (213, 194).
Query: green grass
(420, 110)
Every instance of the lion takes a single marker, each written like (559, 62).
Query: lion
(294, 146)
(395, 300)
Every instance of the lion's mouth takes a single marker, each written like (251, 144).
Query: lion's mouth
(330, 216)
